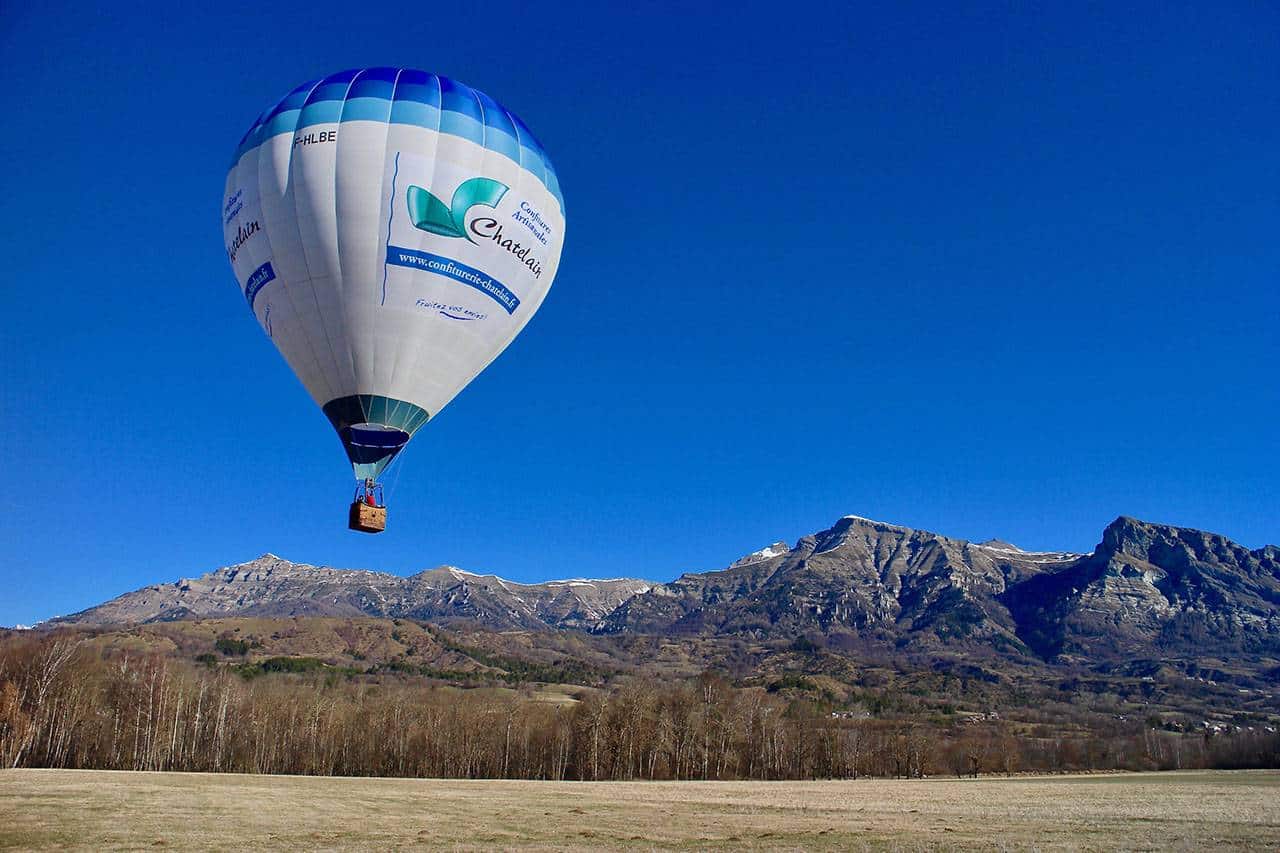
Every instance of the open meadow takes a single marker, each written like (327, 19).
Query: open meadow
(79, 809)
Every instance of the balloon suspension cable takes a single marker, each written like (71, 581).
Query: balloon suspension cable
(397, 466)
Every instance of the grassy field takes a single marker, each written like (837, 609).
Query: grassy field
(113, 810)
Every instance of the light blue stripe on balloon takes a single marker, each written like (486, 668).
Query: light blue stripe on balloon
(321, 112)
(456, 98)
(251, 141)
(415, 113)
(335, 91)
(458, 124)
(496, 140)
(494, 114)
(366, 109)
(293, 101)
(285, 122)
(417, 92)
(532, 161)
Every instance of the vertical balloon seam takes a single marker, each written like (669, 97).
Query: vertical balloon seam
(492, 351)
(391, 202)
(307, 246)
(519, 143)
(238, 175)
(405, 360)
(334, 375)
(337, 234)
(292, 195)
(282, 283)
(368, 334)
(391, 207)
(422, 237)
(535, 148)
(376, 313)
(522, 174)
(485, 154)
(322, 97)
(398, 353)
(391, 405)
(261, 152)
(542, 161)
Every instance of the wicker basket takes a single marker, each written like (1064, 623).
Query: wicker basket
(368, 519)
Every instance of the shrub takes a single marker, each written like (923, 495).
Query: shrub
(228, 646)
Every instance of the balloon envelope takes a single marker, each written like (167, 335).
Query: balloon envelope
(392, 231)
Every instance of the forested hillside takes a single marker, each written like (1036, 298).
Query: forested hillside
(403, 698)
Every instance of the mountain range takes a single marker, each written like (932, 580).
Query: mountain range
(1145, 591)
(272, 586)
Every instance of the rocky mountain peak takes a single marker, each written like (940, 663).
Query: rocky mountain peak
(1162, 543)
(1148, 584)
(1130, 536)
(267, 564)
(860, 521)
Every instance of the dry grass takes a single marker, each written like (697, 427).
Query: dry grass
(114, 810)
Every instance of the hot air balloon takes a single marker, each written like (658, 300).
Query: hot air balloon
(392, 231)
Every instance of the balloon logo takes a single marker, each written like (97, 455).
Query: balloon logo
(429, 213)
(385, 300)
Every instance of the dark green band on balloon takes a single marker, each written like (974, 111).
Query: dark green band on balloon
(370, 450)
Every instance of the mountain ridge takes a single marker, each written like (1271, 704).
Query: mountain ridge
(273, 586)
(1145, 589)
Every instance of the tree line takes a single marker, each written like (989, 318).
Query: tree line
(66, 704)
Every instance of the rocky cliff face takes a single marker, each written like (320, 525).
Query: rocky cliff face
(1150, 586)
(1147, 590)
(861, 578)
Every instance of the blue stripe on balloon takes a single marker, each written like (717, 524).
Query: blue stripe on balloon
(330, 92)
(532, 161)
(412, 97)
(374, 83)
(320, 112)
(457, 124)
(415, 113)
(366, 109)
(495, 117)
(417, 87)
(285, 122)
(292, 101)
(497, 140)
(457, 98)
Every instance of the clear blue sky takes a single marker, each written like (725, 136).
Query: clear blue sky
(995, 272)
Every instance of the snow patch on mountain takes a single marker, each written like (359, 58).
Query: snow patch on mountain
(777, 549)
(1033, 556)
(873, 521)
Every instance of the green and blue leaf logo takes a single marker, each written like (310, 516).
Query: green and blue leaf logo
(430, 214)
